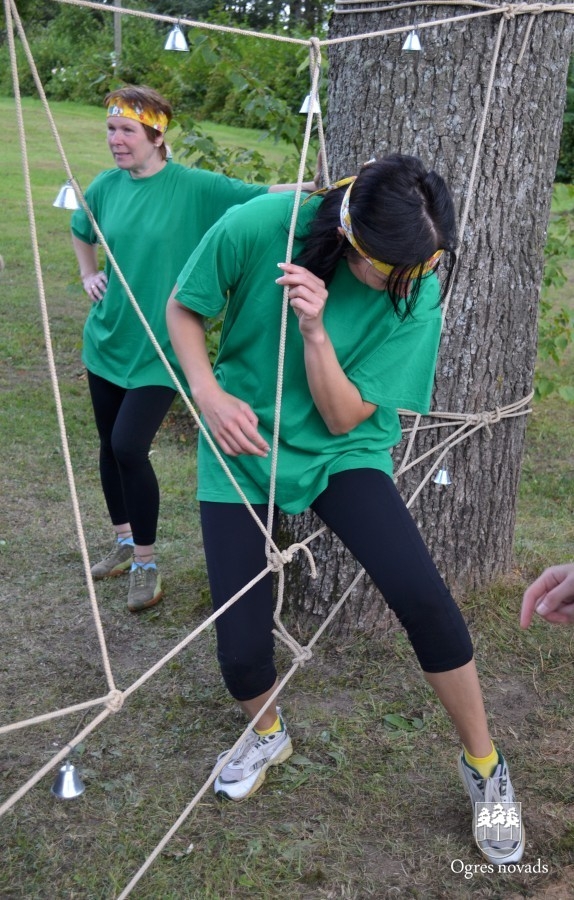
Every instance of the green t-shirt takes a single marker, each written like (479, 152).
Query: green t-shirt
(392, 362)
(151, 226)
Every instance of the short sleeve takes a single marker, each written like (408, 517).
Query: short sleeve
(210, 272)
(81, 225)
(400, 372)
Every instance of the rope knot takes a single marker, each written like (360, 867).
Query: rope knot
(316, 45)
(115, 700)
(487, 418)
(277, 560)
(302, 656)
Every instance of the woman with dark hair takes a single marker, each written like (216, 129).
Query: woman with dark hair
(152, 213)
(362, 342)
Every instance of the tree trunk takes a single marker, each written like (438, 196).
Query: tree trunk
(430, 104)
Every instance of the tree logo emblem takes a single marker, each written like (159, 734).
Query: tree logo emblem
(499, 823)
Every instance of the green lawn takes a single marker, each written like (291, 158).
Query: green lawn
(369, 806)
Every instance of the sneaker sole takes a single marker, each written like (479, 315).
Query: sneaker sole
(146, 605)
(276, 761)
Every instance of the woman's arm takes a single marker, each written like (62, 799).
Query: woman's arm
(336, 397)
(94, 281)
(231, 421)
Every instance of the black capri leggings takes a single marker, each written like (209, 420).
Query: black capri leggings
(127, 421)
(365, 510)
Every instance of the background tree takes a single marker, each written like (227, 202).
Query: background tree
(383, 99)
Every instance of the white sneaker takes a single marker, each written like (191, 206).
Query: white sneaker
(245, 772)
(496, 816)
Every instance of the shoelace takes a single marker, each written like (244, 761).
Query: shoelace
(496, 789)
(140, 575)
(251, 748)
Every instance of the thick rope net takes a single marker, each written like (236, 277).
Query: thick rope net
(460, 426)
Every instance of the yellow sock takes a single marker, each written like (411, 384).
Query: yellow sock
(275, 727)
(484, 765)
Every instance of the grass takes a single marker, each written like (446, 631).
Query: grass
(369, 806)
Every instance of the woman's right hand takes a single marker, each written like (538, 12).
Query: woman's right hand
(95, 285)
(233, 424)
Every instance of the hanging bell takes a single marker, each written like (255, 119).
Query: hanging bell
(442, 477)
(66, 198)
(305, 107)
(176, 40)
(68, 783)
(412, 42)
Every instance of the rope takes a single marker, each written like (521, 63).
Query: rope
(130, 295)
(477, 150)
(10, 9)
(315, 65)
(465, 425)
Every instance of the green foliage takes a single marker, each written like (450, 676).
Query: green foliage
(73, 50)
(556, 325)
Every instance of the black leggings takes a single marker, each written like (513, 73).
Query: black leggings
(127, 421)
(365, 510)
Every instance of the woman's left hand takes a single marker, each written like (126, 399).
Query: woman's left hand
(307, 297)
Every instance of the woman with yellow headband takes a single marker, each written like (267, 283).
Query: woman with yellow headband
(152, 213)
(362, 340)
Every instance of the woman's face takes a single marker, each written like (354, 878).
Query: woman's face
(132, 149)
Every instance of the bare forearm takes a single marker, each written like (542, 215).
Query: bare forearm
(231, 420)
(307, 186)
(87, 257)
(338, 400)
(336, 397)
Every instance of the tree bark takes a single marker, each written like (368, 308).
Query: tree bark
(430, 104)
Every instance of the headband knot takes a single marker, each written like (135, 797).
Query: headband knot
(119, 107)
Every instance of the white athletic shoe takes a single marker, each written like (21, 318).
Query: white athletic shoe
(496, 816)
(245, 772)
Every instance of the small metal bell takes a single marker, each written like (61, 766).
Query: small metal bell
(412, 42)
(68, 783)
(442, 477)
(305, 106)
(66, 198)
(176, 40)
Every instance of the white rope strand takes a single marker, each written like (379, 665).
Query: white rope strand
(464, 425)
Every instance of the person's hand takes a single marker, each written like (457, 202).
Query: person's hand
(307, 297)
(551, 596)
(95, 285)
(233, 424)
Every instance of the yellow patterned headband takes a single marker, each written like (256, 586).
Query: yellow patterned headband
(385, 268)
(119, 107)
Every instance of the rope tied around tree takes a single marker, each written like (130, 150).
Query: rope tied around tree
(486, 418)
(524, 9)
